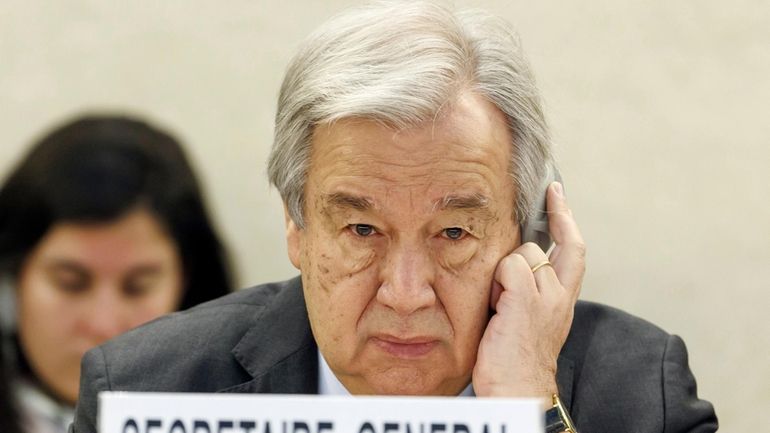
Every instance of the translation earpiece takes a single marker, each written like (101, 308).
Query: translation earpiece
(535, 229)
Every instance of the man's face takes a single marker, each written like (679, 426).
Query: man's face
(403, 234)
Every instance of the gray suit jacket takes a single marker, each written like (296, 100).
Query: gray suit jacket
(616, 373)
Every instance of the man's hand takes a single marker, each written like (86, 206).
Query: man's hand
(518, 351)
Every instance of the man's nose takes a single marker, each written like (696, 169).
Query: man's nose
(104, 316)
(407, 280)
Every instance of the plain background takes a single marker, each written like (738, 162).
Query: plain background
(659, 111)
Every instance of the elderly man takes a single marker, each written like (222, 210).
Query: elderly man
(413, 159)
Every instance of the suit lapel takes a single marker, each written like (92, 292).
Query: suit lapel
(279, 352)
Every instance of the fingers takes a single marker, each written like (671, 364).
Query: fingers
(568, 256)
(514, 274)
(544, 276)
(562, 225)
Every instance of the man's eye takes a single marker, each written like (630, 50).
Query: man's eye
(363, 229)
(454, 233)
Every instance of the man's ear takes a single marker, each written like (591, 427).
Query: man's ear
(293, 241)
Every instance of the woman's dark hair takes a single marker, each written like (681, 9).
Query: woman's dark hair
(96, 169)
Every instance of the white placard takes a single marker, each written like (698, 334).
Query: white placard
(125, 412)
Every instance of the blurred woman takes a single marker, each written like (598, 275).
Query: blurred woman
(102, 228)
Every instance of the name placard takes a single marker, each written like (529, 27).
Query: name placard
(125, 412)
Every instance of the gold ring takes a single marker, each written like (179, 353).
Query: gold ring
(540, 265)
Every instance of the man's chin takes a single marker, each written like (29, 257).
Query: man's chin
(410, 381)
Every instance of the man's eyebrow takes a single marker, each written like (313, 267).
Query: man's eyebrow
(349, 201)
(462, 202)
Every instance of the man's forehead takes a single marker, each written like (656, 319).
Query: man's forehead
(469, 201)
(360, 164)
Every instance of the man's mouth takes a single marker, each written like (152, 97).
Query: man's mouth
(406, 348)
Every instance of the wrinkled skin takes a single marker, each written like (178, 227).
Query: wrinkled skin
(405, 231)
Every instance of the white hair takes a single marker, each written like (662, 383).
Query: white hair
(399, 63)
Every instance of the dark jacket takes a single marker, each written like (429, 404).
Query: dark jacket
(616, 373)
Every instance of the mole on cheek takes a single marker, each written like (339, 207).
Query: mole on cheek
(327, 284)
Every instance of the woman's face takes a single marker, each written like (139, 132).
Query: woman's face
(85, 283)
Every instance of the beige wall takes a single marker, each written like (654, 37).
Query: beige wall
(659, 108)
